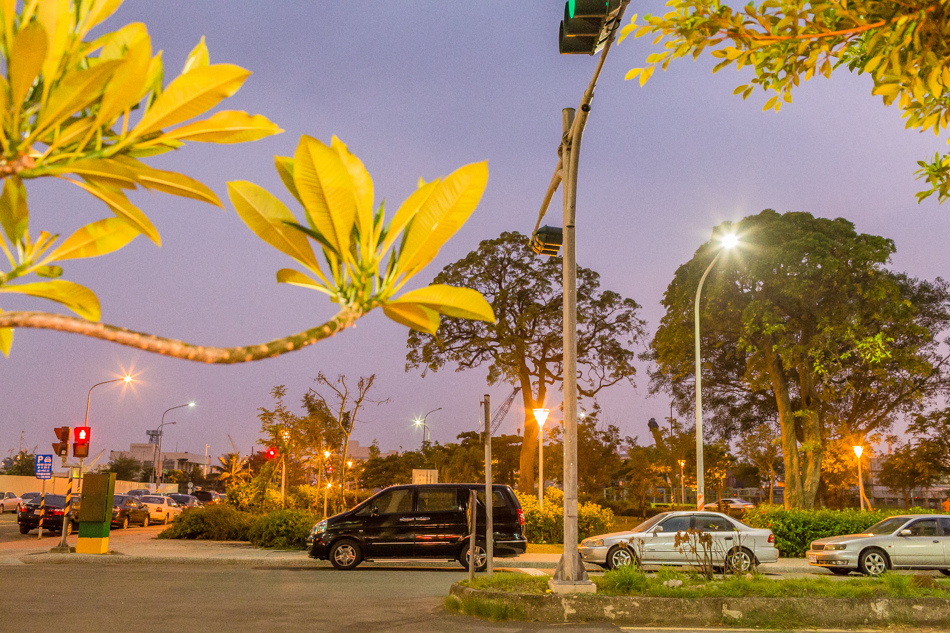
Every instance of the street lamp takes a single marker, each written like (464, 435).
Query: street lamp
(541, 415)
(857, 453)
(159, 465)
(682, 485)
(728, 242)
(422, 423)
(326, 493)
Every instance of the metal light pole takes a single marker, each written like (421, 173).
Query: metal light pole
(326, 492)
(727, 242)
(541, 416)
(159, 464)
(422, 423)
(682, 484)
(857, 453)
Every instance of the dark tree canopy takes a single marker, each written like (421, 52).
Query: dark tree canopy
(804, 321)
(524, 346)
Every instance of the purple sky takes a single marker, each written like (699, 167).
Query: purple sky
(417, 89)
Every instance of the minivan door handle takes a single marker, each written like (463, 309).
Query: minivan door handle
(407, 519)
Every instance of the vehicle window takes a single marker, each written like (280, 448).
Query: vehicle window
(924, 527)
(887, 526)
(497, 498)
(437, 500)
(152, 500)
(649, 523)
(945, 527)
(711, 523)
(394, 501)
(10, 495)
(676, 524)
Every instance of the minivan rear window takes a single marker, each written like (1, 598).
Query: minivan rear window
(497, 499)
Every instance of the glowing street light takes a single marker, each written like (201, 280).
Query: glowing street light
(682, 485)
(858, 450)
(727, 242)
(541, 415)
(158, 465)
(422, 422)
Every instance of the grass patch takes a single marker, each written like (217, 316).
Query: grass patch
(510, 582)
(545, 548)
(629, 581)
(496, 610)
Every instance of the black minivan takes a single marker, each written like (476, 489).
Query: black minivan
(419, 521)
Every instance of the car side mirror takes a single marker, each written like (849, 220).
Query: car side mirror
(658, 529)
(906, 533)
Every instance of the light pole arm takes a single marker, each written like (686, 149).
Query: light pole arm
(700, 483)
(89, 397)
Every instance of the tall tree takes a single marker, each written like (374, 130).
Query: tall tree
(762, 447)
(809, 314)
(524, 345)
(125, 468)
(912, 465)
(902, 45)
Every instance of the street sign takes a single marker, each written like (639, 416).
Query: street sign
(44, 466)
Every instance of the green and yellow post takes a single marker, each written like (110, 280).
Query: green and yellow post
(95, 514)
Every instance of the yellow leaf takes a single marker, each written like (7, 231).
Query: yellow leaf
(406, 212)
(363, 187)
(227, 126)
(26, 60)
(297, 278)
(101, 9)
(267, 216)
(99, 238)
(461, 303)
(441, 215)
(645, 75)
(415, 317)
(77, 298)
(285, 167)
(633, 72)
(128, 83)
(198, 57)
(14, 214)
(770, 103)
(121, 206)
(103, 170)
(115, 45)
(191, 95)
(76, 91)
(327, 192)
(170, 182)
(55, 17)
(6, 340)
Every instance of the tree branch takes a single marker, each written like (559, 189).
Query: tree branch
(345, 318)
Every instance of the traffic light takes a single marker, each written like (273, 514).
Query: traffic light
(585, 26)
(270, 453)
(81, 441)
(61, 447)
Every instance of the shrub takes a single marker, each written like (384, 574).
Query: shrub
(213, 523)
(283, 529)
(546, 525)
(794, 530)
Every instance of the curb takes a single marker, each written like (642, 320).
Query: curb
(705, 612)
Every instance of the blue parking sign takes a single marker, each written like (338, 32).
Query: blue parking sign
(44, 466)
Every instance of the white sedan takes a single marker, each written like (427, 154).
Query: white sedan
(9, 502)
(733, 545)
(160, 509)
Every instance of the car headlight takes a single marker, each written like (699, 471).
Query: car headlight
(597, 542)
(835, 546)
(319, 528)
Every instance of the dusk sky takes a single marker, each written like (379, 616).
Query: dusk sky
(418, 89)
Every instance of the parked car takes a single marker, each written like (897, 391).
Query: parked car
(185, 501)
(127, 509)
(914, 541)
(735, 546)
(9, 502)
(29, 517)
(139, 492)
(207, 497)
(161, 509)
(419, 521)
(25, 498)
(733, 506)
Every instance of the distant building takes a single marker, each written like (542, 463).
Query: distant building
(148, 454)
(355, 451)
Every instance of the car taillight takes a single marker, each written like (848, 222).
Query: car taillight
(771, 538)
(56, 513)
(520, 516)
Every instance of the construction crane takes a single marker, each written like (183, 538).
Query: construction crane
(498, 417)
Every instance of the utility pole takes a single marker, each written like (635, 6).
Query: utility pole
(489, 525)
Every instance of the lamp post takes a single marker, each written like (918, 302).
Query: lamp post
(422, 423)
(326, 493)
(349, 465)
(727, 242)
(857, 453)
(682, 484)
(159, 464)
(541, 415)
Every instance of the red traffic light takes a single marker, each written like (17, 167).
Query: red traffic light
(61, 447)
(270, 453)
(81, 435)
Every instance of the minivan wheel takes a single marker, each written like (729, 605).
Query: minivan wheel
(481, 557)
(873, 562)
(619, 556)
(345, 555)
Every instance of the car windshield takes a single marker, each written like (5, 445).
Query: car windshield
(153, 500)
(56, 501)
(646, 525)
(30, 495)
(118, 499)
(887, 526)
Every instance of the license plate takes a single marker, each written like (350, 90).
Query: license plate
(812, 558)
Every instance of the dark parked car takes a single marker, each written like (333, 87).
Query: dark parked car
(126, 510)
(419, 521)
(139, 492)
(25, 498)
(207, 497)
(185, 501)
(29, 516)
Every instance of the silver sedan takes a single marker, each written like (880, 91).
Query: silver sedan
(916, 541)
(732, 544)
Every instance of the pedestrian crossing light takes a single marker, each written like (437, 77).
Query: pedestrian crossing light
(586, 25)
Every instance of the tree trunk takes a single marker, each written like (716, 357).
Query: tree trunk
(793, 481)
(529, 443)
(813, 444)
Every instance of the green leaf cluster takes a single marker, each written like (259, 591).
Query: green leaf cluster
(903, 46)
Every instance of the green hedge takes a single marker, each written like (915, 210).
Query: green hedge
(546, 525)
(794, 530)
(284, 529)
(213, 523)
